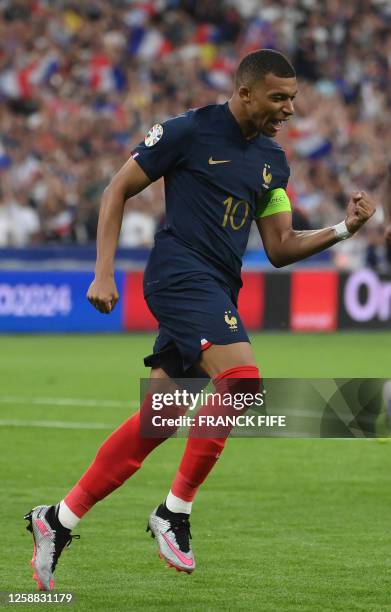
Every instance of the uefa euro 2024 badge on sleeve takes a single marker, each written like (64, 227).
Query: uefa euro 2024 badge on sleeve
(154, 135)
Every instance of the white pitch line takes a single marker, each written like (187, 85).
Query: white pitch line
(68, 401)
(54, 424)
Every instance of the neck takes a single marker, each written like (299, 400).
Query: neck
(245, 124)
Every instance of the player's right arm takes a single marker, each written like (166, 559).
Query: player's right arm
(128, 182)
(165, 146)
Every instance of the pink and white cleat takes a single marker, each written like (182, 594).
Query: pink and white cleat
(50, 538)
(172, 532)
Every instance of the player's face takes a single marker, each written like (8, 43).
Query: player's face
(270, 103)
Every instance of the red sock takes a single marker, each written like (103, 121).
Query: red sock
(202, 453)
(120, 456)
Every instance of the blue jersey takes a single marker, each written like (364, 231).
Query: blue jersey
(215, 182)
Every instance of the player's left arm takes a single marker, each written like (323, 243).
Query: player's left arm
(284, 245)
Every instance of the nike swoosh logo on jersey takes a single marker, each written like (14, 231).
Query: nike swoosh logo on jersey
(212, 161)
(181, 556)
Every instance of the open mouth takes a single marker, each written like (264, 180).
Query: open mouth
(277, 124)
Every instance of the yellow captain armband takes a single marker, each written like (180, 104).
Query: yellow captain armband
(275, 201)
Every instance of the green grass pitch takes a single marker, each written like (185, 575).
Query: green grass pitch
(280, 524)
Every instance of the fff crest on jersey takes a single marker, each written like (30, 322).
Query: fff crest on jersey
(154, 135)
(267, 176)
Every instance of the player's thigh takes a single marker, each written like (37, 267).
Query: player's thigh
(220, 357)
(161, 382)
(159, 373)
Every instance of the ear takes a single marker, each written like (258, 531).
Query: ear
(244, 94)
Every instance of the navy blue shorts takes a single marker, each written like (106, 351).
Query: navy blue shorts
(192, 315)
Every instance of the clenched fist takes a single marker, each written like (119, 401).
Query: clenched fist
(361, 207)
(103, 294)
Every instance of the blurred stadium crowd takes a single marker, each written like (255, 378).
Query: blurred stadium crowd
(82, 82)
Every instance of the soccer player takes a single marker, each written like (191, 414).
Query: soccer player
(222, 170)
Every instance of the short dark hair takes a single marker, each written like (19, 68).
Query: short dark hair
(258, 64)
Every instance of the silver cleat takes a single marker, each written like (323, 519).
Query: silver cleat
(172, 535)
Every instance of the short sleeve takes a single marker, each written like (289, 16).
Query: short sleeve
(281, 178)
(165, 146)
(276, 178)
(275, 201)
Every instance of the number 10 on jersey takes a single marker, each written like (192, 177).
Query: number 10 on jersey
(234, 211)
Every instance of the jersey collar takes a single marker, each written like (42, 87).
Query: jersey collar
(235, 127)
